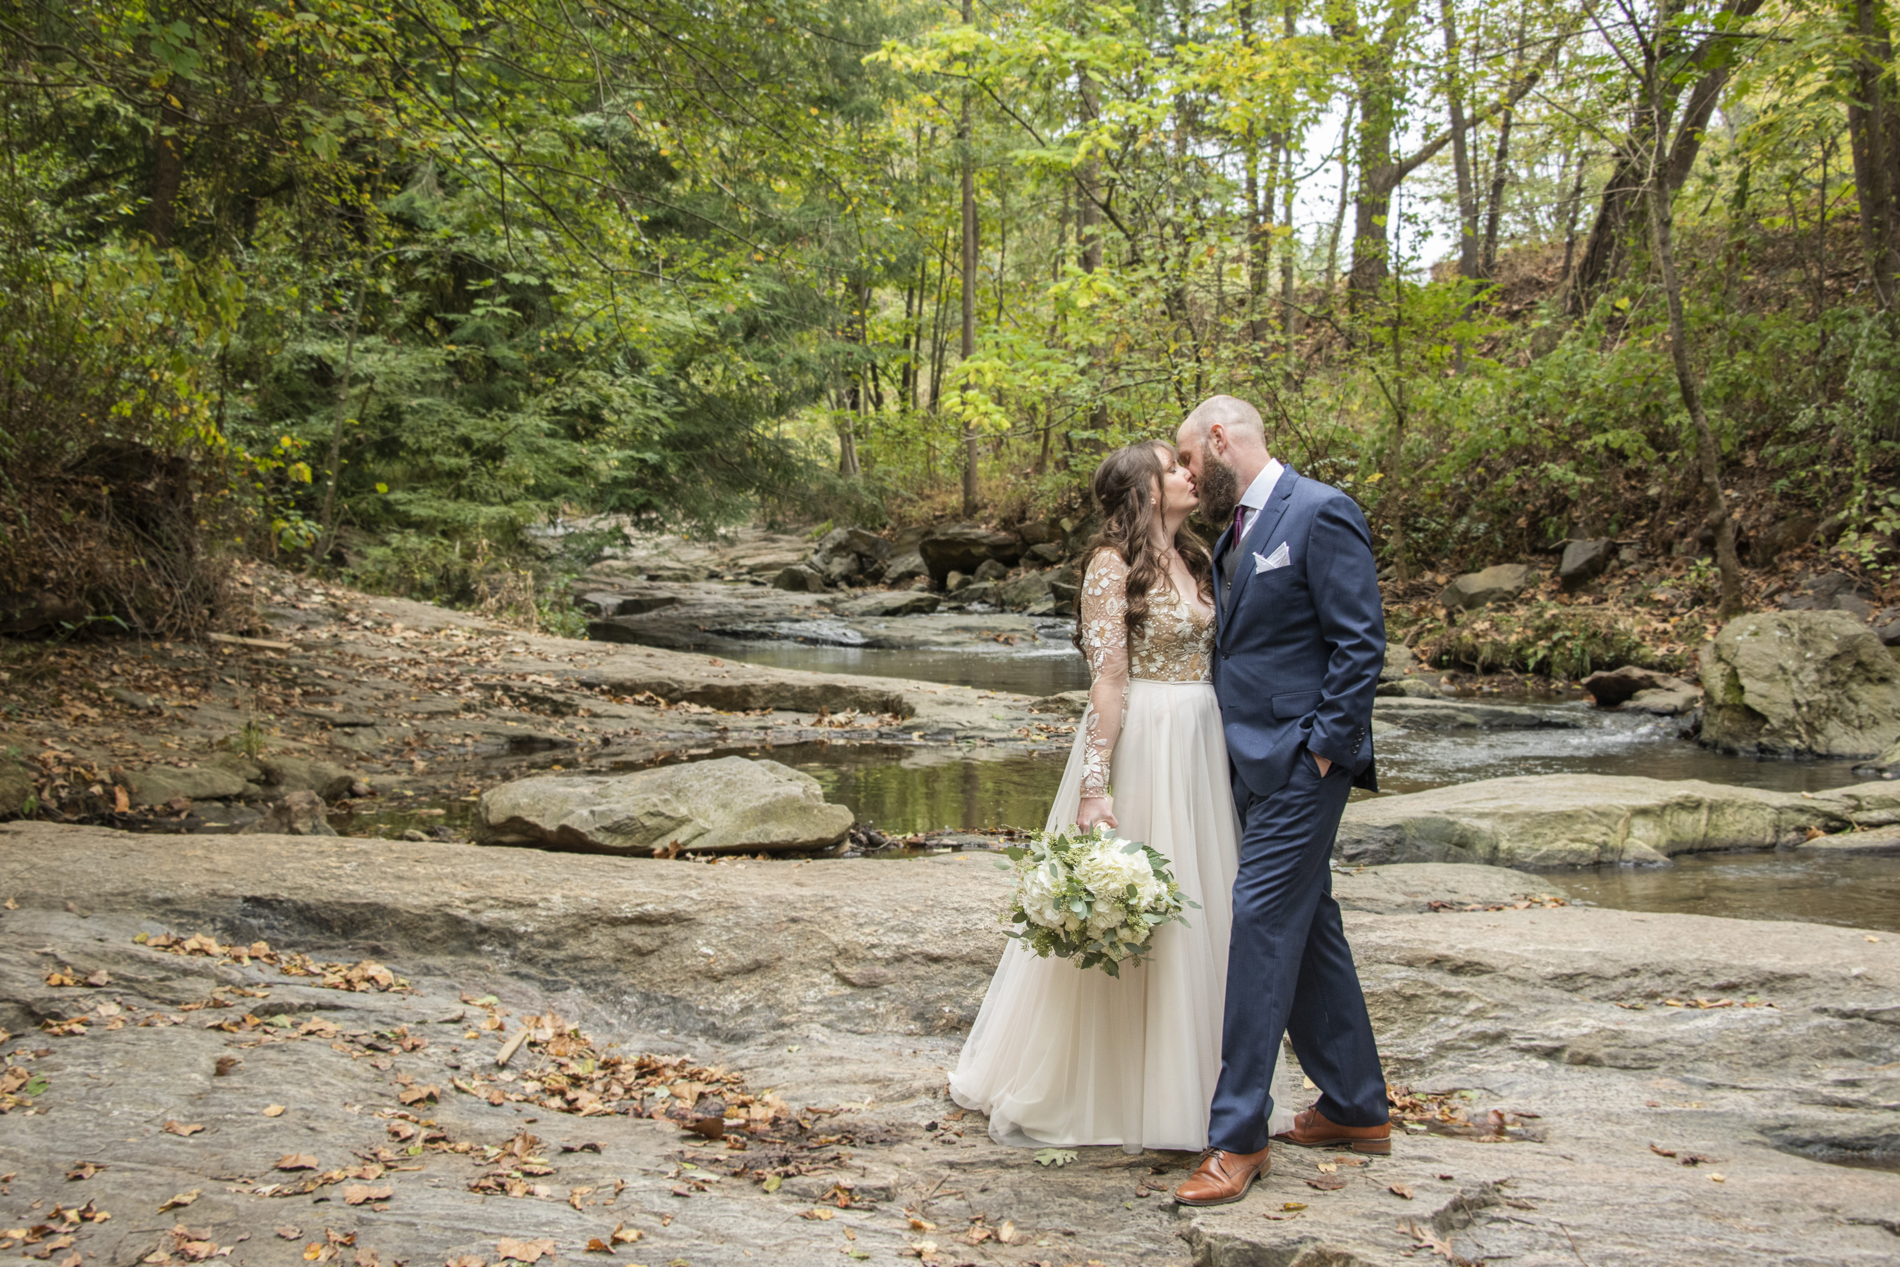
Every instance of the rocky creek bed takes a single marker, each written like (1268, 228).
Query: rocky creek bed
(1579, 1084)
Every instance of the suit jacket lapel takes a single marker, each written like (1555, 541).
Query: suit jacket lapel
(1222, 544)
(1261, 530)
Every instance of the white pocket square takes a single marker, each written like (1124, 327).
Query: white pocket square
(1267, 562)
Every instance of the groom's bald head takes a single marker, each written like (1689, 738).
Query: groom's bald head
(1230, 422)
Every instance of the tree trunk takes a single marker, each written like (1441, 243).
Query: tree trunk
(168, 168)
(1661, 199)
(1460, 155)
(1339, 210)
(1605, 252)
(1873, 128)
(1494, 210)
(1571, 207)
(968, 344)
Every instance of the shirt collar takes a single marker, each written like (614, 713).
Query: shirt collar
(1262, 487)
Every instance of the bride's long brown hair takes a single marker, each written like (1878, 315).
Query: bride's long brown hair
(1127, 486)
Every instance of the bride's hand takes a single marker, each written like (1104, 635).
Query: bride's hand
(1095, 809)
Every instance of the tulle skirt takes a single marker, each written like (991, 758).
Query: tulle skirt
(1064, 1057)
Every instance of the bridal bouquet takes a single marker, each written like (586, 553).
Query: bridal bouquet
(1089, 896)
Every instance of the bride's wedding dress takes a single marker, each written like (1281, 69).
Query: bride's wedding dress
(1060, 1056)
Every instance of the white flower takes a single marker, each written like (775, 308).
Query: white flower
(1038, 888)
(1108, 870)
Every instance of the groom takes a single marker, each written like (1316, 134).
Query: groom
(1299, 645)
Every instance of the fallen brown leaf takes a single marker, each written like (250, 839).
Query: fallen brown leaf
(181, 1128)
(1327, 1183)
(624, 1235)
(296, 1161)
(180, 1201)
(273, 1110)
(86, 1169)
(358, 1193)
(525, 1251)
(288, 1232)
(1400, 1190)
(224, 1066)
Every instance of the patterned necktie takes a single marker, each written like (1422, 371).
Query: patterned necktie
(1240, 515)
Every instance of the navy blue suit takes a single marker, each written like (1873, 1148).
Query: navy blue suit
(1299, 647)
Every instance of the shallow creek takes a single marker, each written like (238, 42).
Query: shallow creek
(903, 789)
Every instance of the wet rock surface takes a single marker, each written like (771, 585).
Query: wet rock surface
(1589, 820)
(1581, 1083)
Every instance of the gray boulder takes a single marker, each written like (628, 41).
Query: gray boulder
(956, 583)
(1024, 592)
(844, 554)
(908, 566)
(1408, 688)
(1584, 561)
(1638, 690)
(1800, 683)
(1826, 591)
(1887, 625)
(299, 814)
(799, 579)
(1781, 536)
(980, 592)
(728, 805)
(1041, 532)
(893, 603)
(990, 570)
(1580, 820)
(964, 548)
(299, 774)
(160, 785)
(1499, 584)
(16, 788)
(1399, 661)
(1045, 552)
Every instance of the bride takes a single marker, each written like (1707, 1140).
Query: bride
(1060, 1056)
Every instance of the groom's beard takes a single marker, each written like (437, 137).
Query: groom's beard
(1219, 489)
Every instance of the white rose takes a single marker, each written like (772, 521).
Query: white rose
(1037, 889)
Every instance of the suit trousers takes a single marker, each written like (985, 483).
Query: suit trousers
(1289, 969)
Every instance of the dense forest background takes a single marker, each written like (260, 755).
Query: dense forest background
(379, 288)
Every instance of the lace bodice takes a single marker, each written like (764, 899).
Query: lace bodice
(1175, 645)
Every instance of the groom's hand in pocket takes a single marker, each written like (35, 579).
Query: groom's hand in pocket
(1322, 764)
(1095, 809)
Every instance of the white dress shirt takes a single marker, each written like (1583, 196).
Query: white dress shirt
(1256, 495)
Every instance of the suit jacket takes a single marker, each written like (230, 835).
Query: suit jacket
(1299, 646)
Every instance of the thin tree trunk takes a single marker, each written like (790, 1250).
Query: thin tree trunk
(1460, 154)
(1494, 210)
(1871, 123)
(1339, 212)
(968, 345)
(1571, 207)
(1661, 199)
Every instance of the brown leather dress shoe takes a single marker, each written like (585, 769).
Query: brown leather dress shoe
(1312, 1130)
(1222, 1177)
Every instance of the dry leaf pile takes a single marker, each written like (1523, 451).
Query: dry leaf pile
(1447, 1113)
(363, 975)
(1541, 901)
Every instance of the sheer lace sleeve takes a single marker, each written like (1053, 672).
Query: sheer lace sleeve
(1105, 641)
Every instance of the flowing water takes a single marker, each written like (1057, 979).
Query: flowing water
(904, 789)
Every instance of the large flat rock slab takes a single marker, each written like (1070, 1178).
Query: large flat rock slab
(1582, 820)
(725, 805)
(1765, 1049)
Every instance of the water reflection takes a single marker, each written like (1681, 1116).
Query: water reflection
(1812, 888)
(902, 790)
